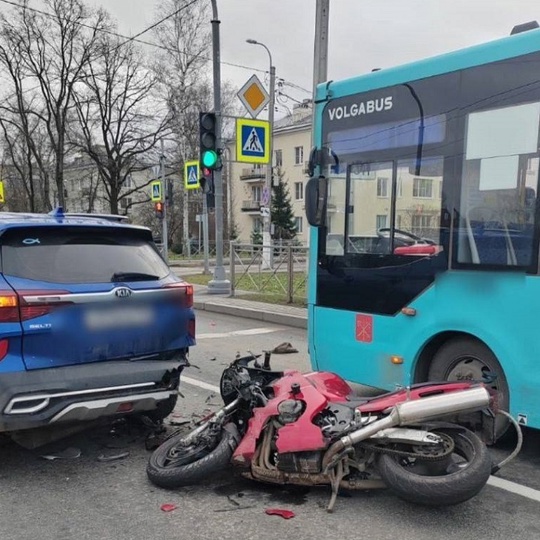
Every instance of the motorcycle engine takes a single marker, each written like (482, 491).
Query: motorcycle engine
(299, 462)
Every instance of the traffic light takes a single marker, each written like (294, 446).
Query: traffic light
(159, 210)
(209, 155)
(207, 180)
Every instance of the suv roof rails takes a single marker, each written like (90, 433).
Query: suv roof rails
(109, 217)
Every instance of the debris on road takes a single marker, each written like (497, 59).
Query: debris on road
(167, 507)
(235, 508)
(285, 514)
(68, 453)
(284, 348)
(113, 457)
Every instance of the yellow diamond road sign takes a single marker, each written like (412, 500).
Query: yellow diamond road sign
(2, 199)
(254, 96)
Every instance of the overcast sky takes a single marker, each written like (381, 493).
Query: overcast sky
(364, 34)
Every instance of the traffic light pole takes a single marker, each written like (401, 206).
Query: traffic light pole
(164, 232)
(219, 284)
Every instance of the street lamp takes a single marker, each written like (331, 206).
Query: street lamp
(267, 239)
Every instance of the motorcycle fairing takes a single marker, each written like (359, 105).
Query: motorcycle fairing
(302, 435)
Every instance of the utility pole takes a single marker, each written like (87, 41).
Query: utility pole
(320, 55)
(205, 234)
(267, 233)
(219, 284)
(164, 191)
(267, 230)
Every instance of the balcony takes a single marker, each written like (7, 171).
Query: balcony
(253, 175)
(250, 206)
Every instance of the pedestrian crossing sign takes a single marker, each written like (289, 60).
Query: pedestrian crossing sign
(156, 191)
(252, 141)
(191, 175)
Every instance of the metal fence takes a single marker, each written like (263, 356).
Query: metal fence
(279, 271)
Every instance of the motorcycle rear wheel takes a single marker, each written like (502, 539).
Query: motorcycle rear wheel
(174, 464)
(444, 483)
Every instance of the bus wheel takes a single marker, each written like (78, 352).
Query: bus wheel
(466, 359)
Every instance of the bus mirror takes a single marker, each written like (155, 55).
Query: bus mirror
(315, 200)
(321, 157)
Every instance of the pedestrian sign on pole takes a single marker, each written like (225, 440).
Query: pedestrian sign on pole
(265, 197)
(191, 175)
(252, 141)
(2, 199)
(254, 96)
(156, 191)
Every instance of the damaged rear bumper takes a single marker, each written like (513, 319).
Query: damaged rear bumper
(81, 393)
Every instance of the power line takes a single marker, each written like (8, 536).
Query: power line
(135, 38)
(170, 16)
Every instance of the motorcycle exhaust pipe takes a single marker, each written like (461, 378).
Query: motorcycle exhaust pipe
(413, 412)
(425, 409)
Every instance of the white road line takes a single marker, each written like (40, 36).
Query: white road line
(494, 481)
(200, 384)
(512, 487)
(248, 332)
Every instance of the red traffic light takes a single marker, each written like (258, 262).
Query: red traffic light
(159, 207)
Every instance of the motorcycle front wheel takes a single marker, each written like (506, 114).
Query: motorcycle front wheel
(177, 463)
(452, 480)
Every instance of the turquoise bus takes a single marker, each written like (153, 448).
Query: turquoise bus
(425, 221)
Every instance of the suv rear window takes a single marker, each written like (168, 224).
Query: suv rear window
(79, 255)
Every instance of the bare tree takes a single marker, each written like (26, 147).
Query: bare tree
(53, 52)
(182, 68)
(27, 153)
(121, 117)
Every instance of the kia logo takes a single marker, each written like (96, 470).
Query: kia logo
(123, 292)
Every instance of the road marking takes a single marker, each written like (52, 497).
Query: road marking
(494, 481)
(249, 332)
(200, 384)
(512, 487)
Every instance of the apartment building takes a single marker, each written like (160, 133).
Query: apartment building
(292, 139)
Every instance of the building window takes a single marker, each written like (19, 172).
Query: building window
(279, 158)
(400, 187)
(126, 202)
(299, 190)
(298, 155)
(423, 188)
(128, 182)
(299, 224)
(382, 187)
(381, 221)
(257, 225)
(420, 223)
(256, 193)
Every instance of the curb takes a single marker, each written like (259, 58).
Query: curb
(250, 313)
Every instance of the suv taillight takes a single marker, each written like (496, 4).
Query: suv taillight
(9, 307)
(14, 308)
(186, 293)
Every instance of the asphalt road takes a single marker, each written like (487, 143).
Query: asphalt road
(86, 498)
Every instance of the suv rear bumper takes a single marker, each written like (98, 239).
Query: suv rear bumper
(45, 397)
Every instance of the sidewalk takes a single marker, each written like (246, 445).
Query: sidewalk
(262, 311)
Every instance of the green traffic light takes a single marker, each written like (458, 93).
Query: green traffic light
(210, 159)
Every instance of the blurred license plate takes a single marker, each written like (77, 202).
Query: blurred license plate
(117, 318)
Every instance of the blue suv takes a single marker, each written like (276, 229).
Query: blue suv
(92, 321)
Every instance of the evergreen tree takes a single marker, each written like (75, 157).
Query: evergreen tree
(282, 212)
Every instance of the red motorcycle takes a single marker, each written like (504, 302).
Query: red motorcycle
(310, 429)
